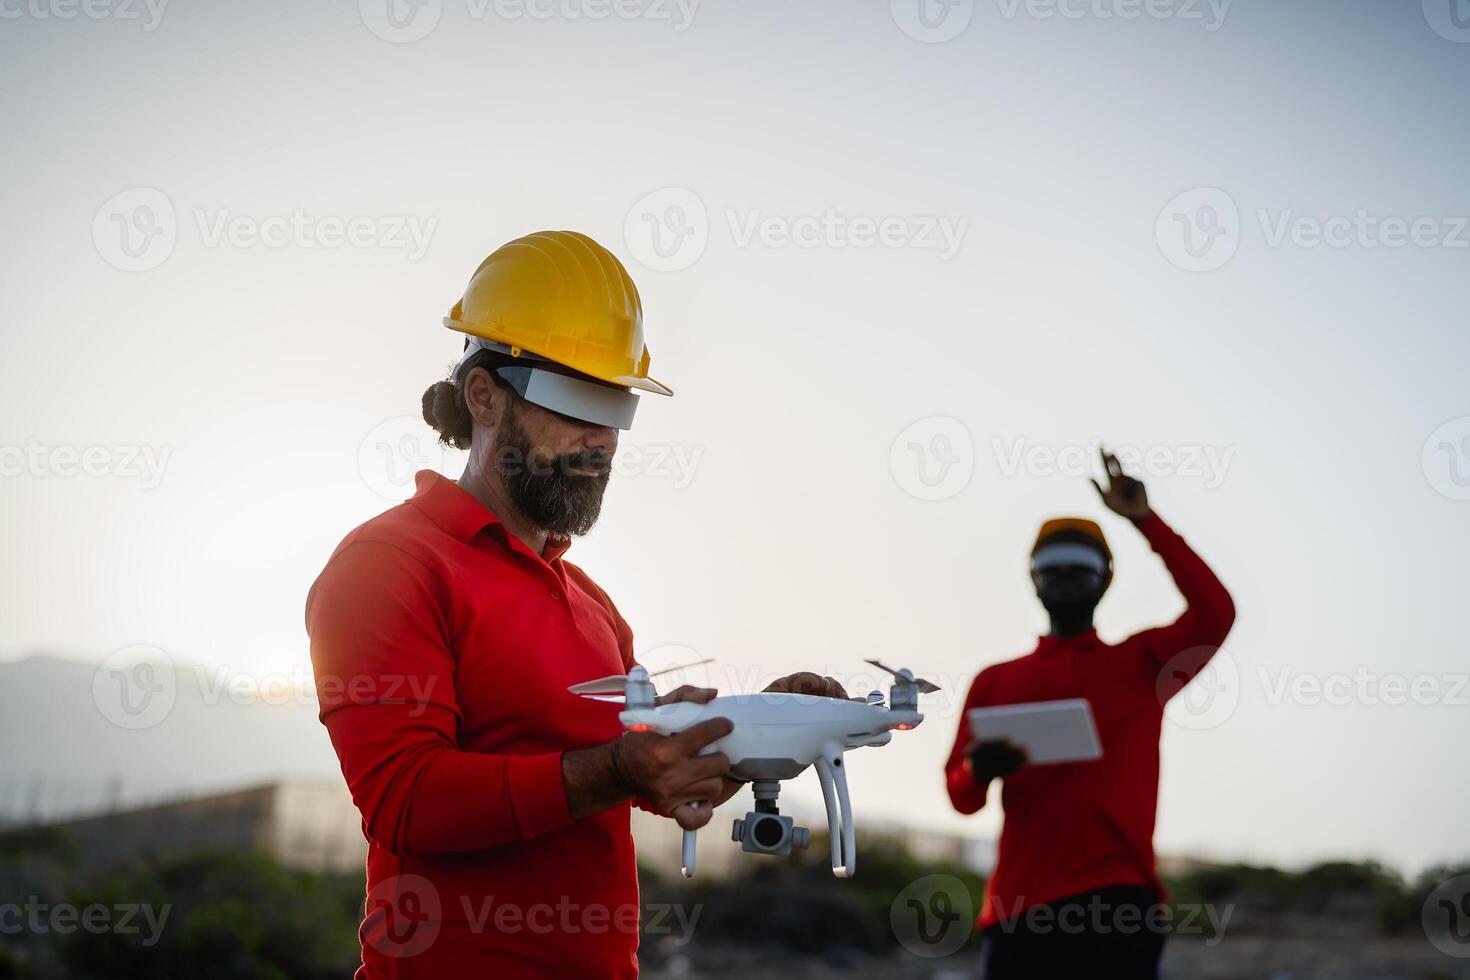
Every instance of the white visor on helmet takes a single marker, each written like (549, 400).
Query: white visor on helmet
(1069, 553)
(584, 399)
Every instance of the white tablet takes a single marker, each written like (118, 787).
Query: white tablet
(1049, 731)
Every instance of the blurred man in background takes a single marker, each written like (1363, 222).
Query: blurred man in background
(1074, 891)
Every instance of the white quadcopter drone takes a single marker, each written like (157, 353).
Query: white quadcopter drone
(776, 736)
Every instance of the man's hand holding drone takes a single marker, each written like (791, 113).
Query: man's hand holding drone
(669, 773)
(802, 682)
(806, 682)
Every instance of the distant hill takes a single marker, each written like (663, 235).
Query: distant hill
(63, 755)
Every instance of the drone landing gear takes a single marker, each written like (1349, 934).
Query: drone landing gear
(839, 813)
(765, 830)
(686, 861)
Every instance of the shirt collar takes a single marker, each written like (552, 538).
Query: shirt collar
(1051, 644)
(459, 514)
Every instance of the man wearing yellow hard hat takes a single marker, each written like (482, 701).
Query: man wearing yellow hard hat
(446, 631)
(1075, 891)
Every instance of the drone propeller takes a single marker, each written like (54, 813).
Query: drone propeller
(925, 687)
(611, 688)
(602, 686)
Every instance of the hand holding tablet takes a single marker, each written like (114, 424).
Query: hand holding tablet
(1049, 731)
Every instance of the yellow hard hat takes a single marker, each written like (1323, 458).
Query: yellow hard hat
(1076, 525)
(560, 295)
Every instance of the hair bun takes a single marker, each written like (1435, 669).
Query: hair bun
(446, 415)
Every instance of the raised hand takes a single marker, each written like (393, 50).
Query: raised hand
(1124, 496)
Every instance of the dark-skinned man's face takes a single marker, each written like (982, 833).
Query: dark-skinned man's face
(1069, 589)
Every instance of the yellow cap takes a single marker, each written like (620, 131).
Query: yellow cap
(561, 295)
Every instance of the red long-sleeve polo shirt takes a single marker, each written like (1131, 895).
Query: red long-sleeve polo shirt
(443, 648)
(1074, 827)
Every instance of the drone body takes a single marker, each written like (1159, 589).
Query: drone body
(776, 736)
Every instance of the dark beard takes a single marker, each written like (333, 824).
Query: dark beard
(546, 491)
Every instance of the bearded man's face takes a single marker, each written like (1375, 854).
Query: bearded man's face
(558, 492)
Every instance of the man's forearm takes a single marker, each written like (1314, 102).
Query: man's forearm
(967, 793)
(1196, 581)
(592, 780)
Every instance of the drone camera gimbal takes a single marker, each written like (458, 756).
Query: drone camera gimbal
(765, 830)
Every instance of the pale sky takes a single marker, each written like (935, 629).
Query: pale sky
(233, 231)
